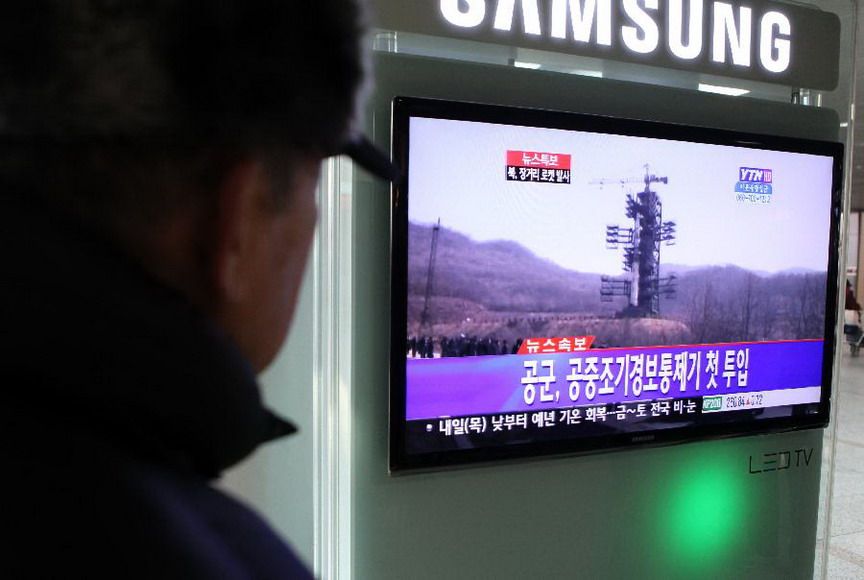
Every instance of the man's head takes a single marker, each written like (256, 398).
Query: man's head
(190, 132)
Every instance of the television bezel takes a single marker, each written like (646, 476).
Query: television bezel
(406, 107)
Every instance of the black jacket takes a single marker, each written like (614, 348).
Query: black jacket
(121, 403)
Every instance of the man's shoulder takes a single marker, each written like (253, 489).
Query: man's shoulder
(77, 501)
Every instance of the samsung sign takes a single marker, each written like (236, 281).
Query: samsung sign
(764, 41)
(732, 33)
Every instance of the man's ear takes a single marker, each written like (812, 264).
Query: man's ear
(238, 210)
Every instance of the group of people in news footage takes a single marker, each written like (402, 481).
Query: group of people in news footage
(428, 347)
(424, 346)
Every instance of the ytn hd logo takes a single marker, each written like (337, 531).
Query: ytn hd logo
(754, 185)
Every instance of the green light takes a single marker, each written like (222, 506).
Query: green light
(704, 520)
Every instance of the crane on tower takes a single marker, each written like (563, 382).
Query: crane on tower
(430, 273)
(641, 241)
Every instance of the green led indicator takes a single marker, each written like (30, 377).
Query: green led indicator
(705, 518)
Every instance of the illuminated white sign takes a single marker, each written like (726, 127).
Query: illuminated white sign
(733, 29)
(761, 40)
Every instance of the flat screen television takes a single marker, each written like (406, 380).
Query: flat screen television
(567, 283)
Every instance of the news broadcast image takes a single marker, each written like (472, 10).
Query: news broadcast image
(566, 284)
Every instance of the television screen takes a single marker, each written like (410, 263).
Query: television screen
(567, 283)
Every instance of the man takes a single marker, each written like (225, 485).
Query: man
(850, 302)
(158, 160)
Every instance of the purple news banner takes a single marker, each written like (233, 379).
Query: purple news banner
(482, 385)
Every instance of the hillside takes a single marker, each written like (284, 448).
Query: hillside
(499, 275)
(502, 290)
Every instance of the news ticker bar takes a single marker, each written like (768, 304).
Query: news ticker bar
(445, 432)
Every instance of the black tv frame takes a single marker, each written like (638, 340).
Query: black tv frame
(405, 107)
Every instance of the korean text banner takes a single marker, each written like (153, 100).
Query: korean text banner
(499, 384)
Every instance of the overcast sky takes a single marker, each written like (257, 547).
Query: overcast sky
(457, 174)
